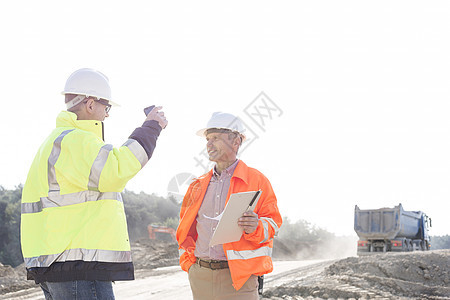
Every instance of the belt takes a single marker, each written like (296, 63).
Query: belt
(212, 264)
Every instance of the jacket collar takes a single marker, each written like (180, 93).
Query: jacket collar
(241, 171)
(69, 119)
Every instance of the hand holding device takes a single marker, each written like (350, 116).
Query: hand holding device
(154, 113)
(147, 110)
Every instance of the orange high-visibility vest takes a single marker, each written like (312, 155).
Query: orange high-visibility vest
(252, 254)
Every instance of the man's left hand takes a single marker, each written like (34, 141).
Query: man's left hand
(248, 222)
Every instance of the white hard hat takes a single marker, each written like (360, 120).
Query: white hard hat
(222, 120)
(89, 83)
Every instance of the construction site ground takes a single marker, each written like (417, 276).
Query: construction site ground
(410, 275)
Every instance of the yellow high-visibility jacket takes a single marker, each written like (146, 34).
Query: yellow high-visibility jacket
(73, 224)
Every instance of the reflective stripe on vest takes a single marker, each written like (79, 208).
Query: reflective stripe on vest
(272, 223)
(137, 150)
(97, 167)
(54, 155)
(248, 254)
(79, 254)
(265, 224)
(100, 161)
(68, 199)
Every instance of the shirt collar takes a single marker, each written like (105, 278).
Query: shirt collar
(228, 171)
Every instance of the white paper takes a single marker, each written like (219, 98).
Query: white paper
(227, 229)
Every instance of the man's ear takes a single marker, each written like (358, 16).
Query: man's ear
(237, 142)
(90, 105)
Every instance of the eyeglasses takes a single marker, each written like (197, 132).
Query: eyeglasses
(106, 103)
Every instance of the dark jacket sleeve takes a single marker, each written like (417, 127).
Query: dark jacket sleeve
(146, 136)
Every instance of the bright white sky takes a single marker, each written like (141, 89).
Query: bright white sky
(362, 90)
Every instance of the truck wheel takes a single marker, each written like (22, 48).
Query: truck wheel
(409, 246)
(404, 247)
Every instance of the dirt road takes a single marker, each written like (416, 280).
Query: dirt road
(173, 284)
(170, 283)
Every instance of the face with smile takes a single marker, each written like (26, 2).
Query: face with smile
(222, 147)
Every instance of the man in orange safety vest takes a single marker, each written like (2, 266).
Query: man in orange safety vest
(230, 270)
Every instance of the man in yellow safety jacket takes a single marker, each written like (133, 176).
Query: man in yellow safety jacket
(230, 270)
(73, 226)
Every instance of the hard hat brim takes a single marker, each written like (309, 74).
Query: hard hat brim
(202, 132)
(109, 101)
(113, 103)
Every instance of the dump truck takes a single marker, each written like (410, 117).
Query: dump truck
(391, 230)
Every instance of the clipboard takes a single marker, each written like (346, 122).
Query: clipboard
(227, 229)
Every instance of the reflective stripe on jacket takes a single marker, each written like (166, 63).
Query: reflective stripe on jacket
(72, 209)
(252, 254)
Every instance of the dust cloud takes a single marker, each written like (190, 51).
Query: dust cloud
(332, 248)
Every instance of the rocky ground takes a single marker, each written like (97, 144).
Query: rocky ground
(413, 275)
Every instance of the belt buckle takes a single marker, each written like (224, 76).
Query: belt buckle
(211, 265)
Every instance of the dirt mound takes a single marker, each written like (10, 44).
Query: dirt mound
(430, 268)
(6, 271)
(12, 280)
(418, 275)
(152, 254)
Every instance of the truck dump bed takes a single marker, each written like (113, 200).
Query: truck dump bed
(387, 223)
